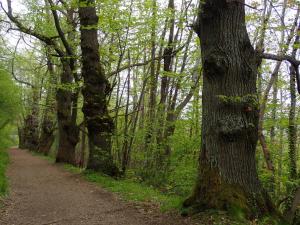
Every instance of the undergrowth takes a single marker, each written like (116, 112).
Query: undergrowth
(3, 165)
(131, 190)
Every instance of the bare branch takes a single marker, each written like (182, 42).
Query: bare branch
(288, 58)
(47, 40)
(13, 70)
(144, 63)
(59, 29)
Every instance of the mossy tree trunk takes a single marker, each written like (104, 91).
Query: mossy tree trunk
(68, 130)
(96, 88)
(227, 171)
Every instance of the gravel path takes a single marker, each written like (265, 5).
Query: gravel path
(42, 193)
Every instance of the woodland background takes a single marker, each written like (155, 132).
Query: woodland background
(151, 58)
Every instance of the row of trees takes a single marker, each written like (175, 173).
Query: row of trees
(140, 94)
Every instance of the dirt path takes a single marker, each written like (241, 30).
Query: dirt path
(42, 194)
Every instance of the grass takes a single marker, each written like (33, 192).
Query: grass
(3, 165)
(131, 190)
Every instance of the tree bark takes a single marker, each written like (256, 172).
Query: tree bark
(165, 80)
(227, 176)
(274, 111)
(30, 130)
(48, 124)
(68, 131)
(96, 88)
(28, 133)
(151, 120)
(292, 129)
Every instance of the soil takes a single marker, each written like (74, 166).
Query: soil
(42, 193)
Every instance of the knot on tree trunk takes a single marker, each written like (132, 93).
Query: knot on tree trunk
(216, 65)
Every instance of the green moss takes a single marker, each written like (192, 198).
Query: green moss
(249, 100)
(212, 192)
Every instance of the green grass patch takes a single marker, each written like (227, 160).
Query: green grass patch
(131, 190)
(3, 165)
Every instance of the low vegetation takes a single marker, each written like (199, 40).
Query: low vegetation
(3, 164)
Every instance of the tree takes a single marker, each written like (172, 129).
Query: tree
(96, 88)
(48, 124)
(227, 176)
(66, 99)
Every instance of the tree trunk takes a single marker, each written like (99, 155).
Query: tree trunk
(29, 133)
(290, 215)
(96, 88)
(165, 80)
(80, 161)
(274, 110)
(281, 148)
(151, 120)
(292, 129)
(227, 172)
(125, 149)
(30, 130)
(48, 124)
(68, 132)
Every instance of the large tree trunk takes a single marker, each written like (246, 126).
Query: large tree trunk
(227, 171)
(68, 131)
(48, 124)
(29, 133)
(96, 88)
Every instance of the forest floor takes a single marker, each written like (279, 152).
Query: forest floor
(42, 193)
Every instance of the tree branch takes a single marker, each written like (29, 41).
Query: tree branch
(294, 62)
(47, 40)
(144, 63)
(288, 58)
(13, 65)
(59, 29)
(196, 78)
